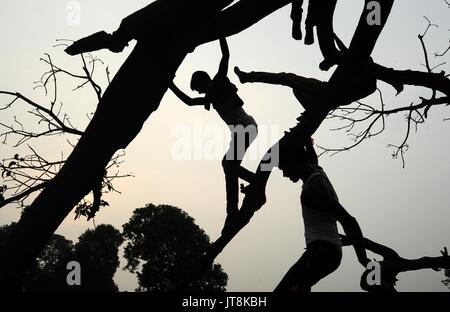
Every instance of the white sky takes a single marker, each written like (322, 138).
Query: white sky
(406, 209)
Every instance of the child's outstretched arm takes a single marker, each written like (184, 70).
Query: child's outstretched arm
(200, 101)
(351, 228)
(350, 225)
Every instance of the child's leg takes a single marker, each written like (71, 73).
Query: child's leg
(311, 21)
(241, 139)
(245, 137)
(230, 168)
(308, 91)
(298, 271)
(94, 42)
(319, 260)
(232, 193)
(284, 79)
(296, 16)
(232, 190)
(231, 165)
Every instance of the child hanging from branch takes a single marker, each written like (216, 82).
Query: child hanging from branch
(321, 211)
(222, 94)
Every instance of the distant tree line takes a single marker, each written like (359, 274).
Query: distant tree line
(162, 242)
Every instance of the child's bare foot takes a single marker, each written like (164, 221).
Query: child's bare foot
(241, 75)
(94, 42)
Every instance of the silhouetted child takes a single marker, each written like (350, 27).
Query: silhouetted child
(306, 90)
(222, 94)
(313, 94)
(318, 98)
(147, 23)
(321, 211)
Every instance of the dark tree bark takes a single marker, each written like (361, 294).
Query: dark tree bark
(132, 96)
(399, 78)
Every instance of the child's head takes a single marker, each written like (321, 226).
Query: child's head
(200, 81)
(293, 160)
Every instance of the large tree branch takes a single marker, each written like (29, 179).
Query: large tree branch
(238, 17)
(321, 15)
(399, 78)
(393, 264)
(367, 34)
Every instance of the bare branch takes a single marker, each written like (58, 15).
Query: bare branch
(20, 198)
(360, 114)
(443, 53)
(26, 175)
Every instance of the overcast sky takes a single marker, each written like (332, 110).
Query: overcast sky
(406, 209)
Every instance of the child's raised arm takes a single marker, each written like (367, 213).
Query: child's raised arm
(223, 67)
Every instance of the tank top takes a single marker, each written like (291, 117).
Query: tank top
(319, 223)
(224, 98)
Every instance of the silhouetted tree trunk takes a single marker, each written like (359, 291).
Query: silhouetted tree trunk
(134, 93)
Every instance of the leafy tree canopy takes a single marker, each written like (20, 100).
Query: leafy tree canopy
(165, 242)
